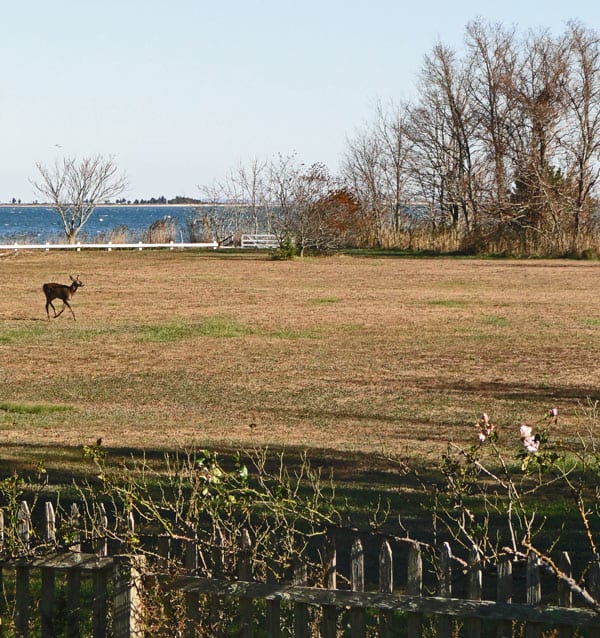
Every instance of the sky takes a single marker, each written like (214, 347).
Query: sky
(179, 92)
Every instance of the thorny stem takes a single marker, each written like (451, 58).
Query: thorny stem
(569, 581)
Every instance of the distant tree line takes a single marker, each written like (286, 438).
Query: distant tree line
(498, 152)
(178, 200)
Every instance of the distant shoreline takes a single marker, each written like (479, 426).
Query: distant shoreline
(131, 205)
(41, 205)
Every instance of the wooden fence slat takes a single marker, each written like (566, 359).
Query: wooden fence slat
(504, 595)
(565, 596)
(534, 594)
(73, 602)
(300, 608)
(22, 585)
(49, 523)
(415, 588)
(245, 574)
(330, 612)
(75, 525)
(24, 526)
(22, 600)
(100, 543)
(273, 605)
(474, 590)
(593, 579)
(127, 605)
(386, 585)
(47, 596)
(357, 615)
(445, 589)
(192, 599)
(100, 603)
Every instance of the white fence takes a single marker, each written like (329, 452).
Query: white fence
(260, 241)
(248, 241)
(106, 246)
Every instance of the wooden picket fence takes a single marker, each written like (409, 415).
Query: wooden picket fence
(345, 602)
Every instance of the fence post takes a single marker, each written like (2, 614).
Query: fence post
(357, 615)
(127, 603)
(74, 575)
(127, 589)
(245, 574)
(22, 594)
(273, 605)
(415, 588)
(330, 612)
(300, 609)
(192, 598)
(593, 578)
(100, 576)
(474, 588)
(504, 595)
(445, 589)
(386, 585)
(565, 596)
(534, 593)
(48, 576)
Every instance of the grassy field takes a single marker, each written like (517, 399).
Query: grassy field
(349, 358)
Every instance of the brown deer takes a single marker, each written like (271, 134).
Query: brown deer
(62, 292)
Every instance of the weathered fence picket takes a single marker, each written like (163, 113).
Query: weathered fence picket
(316, 607)
(330, 612)
(386, 586)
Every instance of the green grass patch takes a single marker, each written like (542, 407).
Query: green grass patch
(295, 334)
(496, 321)
(319, 301)
(450, 303)
(21, 335)
(218, 326)
(34, 408)
(592, 323)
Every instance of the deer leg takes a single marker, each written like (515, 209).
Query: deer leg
(49, 303)
(60, 313)
(69, 307)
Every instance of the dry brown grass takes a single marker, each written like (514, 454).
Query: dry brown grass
(352, 355)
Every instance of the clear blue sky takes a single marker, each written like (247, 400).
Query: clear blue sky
(180, 91)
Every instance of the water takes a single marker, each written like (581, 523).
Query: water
(42, 223)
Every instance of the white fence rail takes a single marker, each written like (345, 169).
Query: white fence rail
(260, 241)
(247, 241)
(107, 246)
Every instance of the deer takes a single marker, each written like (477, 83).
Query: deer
(62, 292)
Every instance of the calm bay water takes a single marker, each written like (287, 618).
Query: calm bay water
(42, 223)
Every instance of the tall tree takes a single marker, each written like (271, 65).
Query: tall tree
(492, 60)
(441, 129)
(582, 144)
(76, 187)
(535, 129)
(376, 168)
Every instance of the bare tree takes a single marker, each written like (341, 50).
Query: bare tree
(534, 132)
(75, 187)
(248, 186)
(493, 57)
(582, 144)
(376, 168)
(363, 170)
